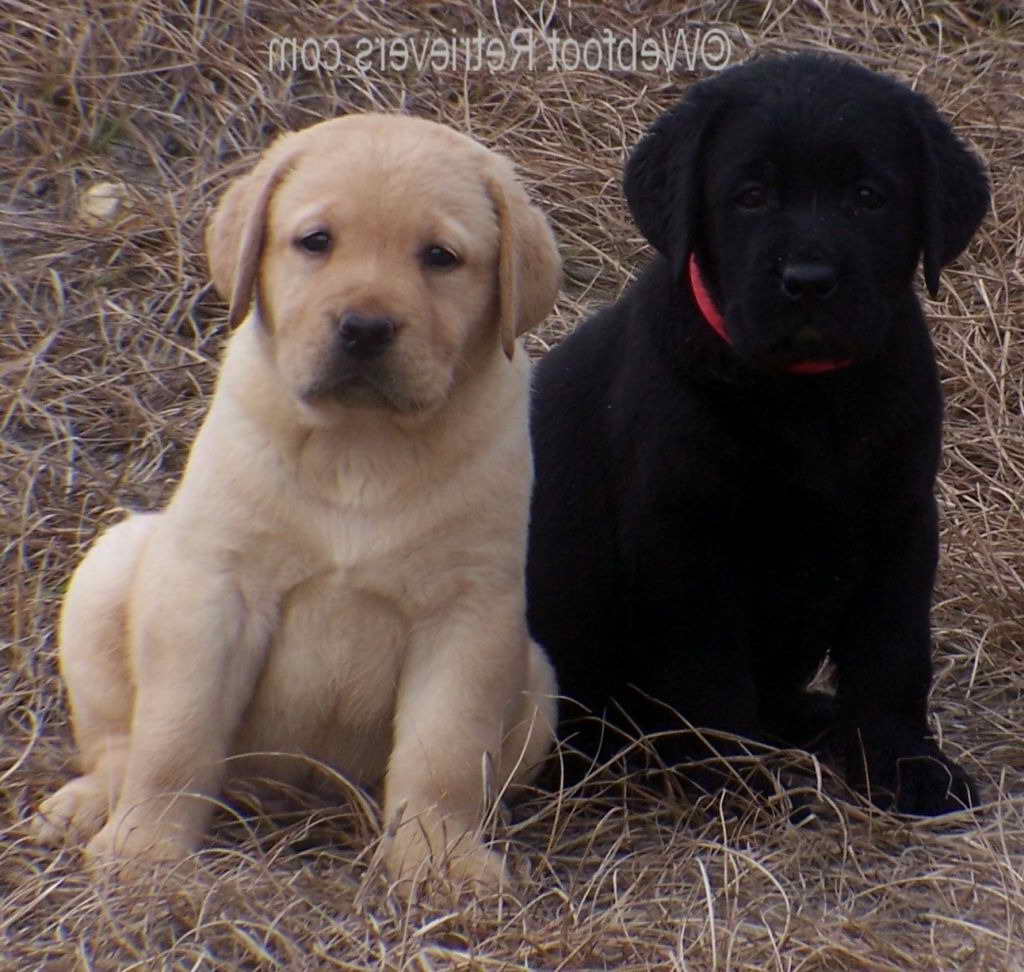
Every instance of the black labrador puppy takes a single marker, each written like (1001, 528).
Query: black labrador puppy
(735, 462)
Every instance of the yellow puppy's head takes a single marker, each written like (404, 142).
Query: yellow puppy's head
(385, 255)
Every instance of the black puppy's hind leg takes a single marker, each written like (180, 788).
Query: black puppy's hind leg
(687, 655)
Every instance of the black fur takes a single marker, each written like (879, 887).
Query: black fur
(708, 525)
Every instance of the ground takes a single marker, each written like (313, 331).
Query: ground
(110, 335)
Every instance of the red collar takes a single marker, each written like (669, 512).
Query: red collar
(709, 309)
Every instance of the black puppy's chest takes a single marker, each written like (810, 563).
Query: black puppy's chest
(798, 489)
(798, 553)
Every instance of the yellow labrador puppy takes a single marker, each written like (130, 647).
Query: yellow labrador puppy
(340, 572)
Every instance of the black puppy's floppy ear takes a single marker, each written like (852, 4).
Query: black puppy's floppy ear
(955, 194)
(662, 181)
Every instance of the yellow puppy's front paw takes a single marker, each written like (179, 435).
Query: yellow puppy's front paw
(466, 868)
(123, 841)
(478, 869)
(73, 814)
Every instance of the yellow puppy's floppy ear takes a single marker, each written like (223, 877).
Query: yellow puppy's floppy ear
(236, 231)
(529, 267)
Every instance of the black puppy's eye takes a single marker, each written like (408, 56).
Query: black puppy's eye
(439, 258)
(868, 197)
(318, 242)
(752, 197)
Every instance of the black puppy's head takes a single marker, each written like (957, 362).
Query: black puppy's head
(807, 188)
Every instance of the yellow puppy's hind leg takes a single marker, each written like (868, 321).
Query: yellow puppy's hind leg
(94, 663)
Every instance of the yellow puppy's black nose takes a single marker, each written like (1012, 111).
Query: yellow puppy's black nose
(365, 337)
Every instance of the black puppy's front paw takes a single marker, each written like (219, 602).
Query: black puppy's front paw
(931, 784)
(908, 773)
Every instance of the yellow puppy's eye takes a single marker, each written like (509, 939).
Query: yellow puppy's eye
(439, 258)
(318, 242)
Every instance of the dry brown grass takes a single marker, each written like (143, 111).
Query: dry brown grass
(110, 337)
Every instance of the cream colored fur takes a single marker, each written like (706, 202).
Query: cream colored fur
(340, 572)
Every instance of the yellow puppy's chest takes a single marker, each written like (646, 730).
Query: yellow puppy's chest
(343, 543)
(327, 689)
(346, 589)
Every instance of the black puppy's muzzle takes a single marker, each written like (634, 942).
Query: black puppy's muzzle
(363, 338)
(806, 342)
(803, 326)
(809, 281)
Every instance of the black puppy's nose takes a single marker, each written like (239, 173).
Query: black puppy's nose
(365, 337)
(808, 280)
